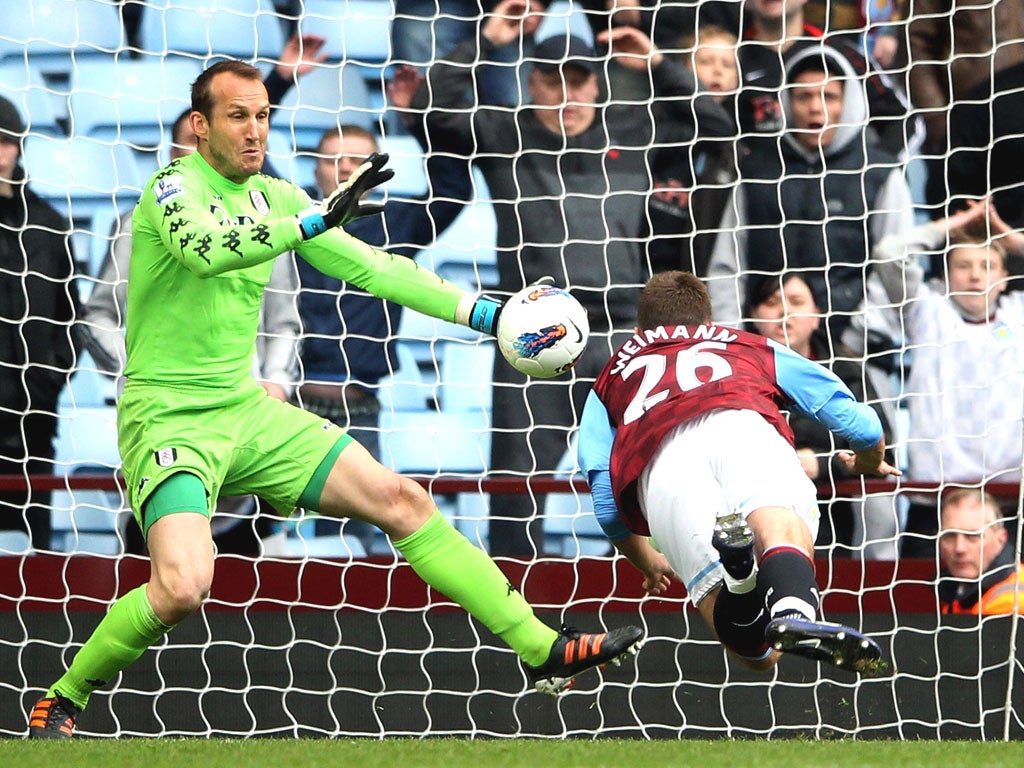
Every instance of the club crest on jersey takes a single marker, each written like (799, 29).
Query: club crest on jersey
(165, 457)
(168, 188)
(259, 202)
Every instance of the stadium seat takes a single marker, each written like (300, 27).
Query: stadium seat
(87, 520)
(79, 175)
(88, 388)
(357, 31)
(14, 543)
(287, 163)
(312, 106)
(302, 542)
(86, 437)
(570, 527)
(132, 101)
(465, 253)
(46, 32)
(22, 84)
(431, 442)
(466, 375)
(471, 516)
(405, 389)
(407, 160)
(212, 29)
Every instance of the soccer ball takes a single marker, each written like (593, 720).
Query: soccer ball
(542, 331)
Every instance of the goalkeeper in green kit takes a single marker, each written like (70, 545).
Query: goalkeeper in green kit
(193, 423)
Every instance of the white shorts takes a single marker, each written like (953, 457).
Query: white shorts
(721, 462)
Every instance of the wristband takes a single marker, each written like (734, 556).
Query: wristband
(483, 316)
(311, 223)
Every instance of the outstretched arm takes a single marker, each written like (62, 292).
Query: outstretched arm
(823, 396)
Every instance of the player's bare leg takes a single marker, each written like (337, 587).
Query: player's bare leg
(358, 486)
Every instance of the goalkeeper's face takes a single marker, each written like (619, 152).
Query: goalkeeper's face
(234, 138)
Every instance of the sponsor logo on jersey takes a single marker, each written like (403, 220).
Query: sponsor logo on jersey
(259, 201)
(165, 457)
(168, 188)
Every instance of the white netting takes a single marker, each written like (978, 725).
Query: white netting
(330, 633)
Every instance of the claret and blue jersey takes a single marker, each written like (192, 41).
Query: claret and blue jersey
(661, 377)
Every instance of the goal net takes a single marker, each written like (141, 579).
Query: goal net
(317, 628)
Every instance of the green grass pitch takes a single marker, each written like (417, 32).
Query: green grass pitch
(502, 753)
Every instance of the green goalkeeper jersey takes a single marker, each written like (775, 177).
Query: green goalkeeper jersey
(202, 253)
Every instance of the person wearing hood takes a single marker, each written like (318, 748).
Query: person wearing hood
(980, 573)
(815, 202)
(38, 307)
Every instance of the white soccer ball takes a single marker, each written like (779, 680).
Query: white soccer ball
(542, 331)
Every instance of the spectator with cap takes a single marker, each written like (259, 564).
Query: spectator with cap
(570, 180)
(38, 307)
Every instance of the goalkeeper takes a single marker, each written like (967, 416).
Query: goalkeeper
(193, 424)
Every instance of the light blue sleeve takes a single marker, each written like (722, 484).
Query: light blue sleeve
(594, 446)
(824, 397)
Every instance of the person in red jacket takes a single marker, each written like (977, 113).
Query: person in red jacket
(980, 573)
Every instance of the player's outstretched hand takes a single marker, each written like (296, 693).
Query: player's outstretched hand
(870, 461)
(346, 203)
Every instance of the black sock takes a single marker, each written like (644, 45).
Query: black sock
(740, 621)
(786, 582)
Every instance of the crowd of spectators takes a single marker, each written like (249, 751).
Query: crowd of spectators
(762, 145)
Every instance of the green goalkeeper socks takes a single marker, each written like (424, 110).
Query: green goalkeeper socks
(448, 562)
(122, 636)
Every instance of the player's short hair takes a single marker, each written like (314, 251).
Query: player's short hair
(202, 98)
(993, 510)
(673, 298)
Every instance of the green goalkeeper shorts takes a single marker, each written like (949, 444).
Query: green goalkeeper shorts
(236, 441)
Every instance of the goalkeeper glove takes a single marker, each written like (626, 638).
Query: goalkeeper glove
(345, 203)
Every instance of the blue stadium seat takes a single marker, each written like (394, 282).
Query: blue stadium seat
(357, 31)
(302, 542)
(79, 175)
(47, 31)
(212, 29)
(22, 84)
(407, 160)
(132, 101)
(570, 527)
(405, 389)
(87, 520)
(428, 442)
(14, 543)
(327, 97)
(466, 253)
(287, 163)
(466, 375)
(88, 388)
